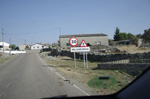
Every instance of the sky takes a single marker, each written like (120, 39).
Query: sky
(42, 21)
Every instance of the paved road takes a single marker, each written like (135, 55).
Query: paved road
(26, 77)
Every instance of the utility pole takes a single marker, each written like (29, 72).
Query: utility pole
(25, 42)
(3, 39)
(60, 30)
(10, 45)
(60, 38)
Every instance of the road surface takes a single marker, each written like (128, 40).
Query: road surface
(26, 77)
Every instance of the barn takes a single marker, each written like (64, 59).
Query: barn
(90, 39)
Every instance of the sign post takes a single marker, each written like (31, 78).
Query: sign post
(86, 60)
(83, 48)
(74, 42)
(75, 60)
(83, 44)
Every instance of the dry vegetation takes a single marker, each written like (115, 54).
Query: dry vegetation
(3, 59)
(65, 65)
(133, 49)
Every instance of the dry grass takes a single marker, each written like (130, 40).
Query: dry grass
(65, 65)
(4, 60)
(133, 49)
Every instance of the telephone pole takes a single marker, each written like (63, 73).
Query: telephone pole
(10, 47)
(25, 42)
(3, 39)
(60, 30)
(60, 38)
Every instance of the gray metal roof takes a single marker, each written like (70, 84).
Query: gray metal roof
(82, 35)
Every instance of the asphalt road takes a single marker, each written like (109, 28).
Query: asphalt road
(26, 77)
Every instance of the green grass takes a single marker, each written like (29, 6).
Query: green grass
(102, 83)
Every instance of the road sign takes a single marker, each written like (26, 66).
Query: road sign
(83, 44)
(80, 49)
(73, 41)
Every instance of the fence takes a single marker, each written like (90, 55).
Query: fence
(113, 58)
(130, 68)
(15, 52)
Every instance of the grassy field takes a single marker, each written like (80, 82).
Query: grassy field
(65, 65)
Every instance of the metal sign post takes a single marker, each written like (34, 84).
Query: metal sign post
(86, 60)
(74, 60)
(73, 41)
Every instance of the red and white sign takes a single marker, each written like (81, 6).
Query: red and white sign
(73, 41)
(83, 44)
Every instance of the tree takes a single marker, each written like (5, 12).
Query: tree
(139, 35)
(116, 36)
(13, 46)
(123, 36)
(134, 40)
(130, 36)
(58, 43)
(27, 47)
(146, 35)
(17, 48)
(111, 42)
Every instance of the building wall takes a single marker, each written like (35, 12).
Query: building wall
(36, 46)
(91, 40)
(45, 46)
(22, 47)
(140, 42)
(6, 45)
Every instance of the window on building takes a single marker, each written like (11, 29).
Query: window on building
(98, 43)
(37, 46)
(67, 44)
(88, 44)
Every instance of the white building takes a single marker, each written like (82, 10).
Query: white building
(6, 45)
(45, 46)
(36, 46)
(22, 47)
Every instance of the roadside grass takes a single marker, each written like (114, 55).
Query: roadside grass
(4, 60)
(65, 65)
(102, 83)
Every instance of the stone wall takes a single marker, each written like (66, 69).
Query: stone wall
(130, 68)
(105, 58)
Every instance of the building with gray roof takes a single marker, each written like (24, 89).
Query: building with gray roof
(90, 39)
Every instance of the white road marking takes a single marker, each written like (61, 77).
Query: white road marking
(60, 76)
(73, 84)
(64, 78)
(51, 68)
(81, 90)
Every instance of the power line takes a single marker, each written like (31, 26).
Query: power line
(34, 32)
(13, 38)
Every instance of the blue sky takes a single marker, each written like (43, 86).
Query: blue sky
(41, 20)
